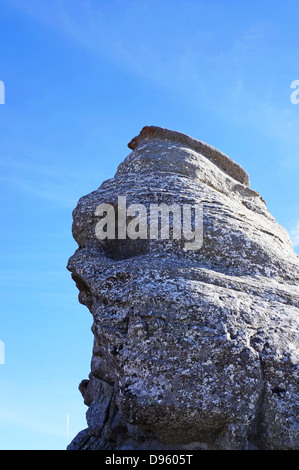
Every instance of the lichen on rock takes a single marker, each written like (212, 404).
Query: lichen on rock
(192, 349)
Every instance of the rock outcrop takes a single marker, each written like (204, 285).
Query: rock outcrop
(193, 349)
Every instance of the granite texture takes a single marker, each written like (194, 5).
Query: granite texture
(192, 349)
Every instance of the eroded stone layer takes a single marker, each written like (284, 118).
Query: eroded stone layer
(192, 349)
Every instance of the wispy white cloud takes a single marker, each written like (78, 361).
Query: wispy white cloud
(294, 234)
(230, 74)
(60, 184)
(227, 74)
(21, 419)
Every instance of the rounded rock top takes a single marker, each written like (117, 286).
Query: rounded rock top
(221, 160)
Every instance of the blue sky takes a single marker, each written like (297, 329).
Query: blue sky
(82, 77)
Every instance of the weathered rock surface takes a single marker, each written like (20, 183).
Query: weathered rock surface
(192, 349)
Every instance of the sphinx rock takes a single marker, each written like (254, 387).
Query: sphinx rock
(193, 348)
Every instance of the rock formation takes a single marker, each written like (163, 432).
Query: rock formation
(193, 349)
